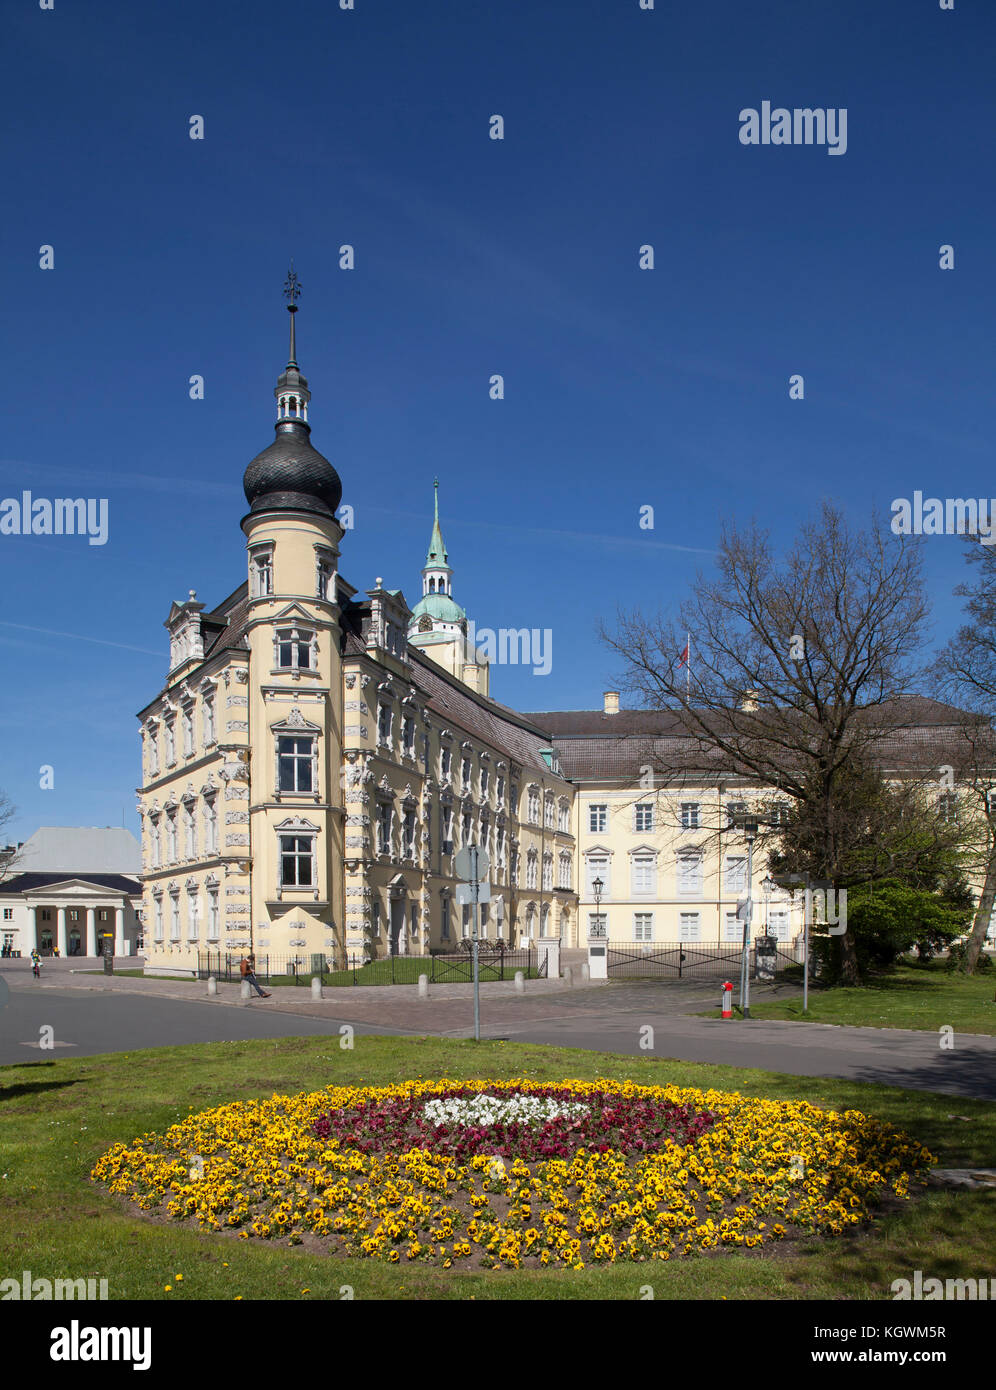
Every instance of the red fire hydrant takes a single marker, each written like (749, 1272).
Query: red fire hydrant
(727, 1000)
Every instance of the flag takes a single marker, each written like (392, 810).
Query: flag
(684, 656)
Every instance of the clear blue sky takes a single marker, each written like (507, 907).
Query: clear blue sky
(623, 388)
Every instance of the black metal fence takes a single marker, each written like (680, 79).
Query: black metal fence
(685, 961)
(495, 963)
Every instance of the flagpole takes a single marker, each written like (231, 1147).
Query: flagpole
(688, 666)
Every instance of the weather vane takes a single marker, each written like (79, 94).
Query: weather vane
(292, 287)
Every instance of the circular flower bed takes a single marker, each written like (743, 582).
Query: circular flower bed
(513, 1173)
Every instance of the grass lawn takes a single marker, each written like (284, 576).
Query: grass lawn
(57, 1117)
(910, 996)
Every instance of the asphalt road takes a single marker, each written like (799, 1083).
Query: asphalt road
(888, 1056)
(84, 1025)
(91, 1019)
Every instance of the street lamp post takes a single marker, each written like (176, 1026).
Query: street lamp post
(596, 887)
(767, 885)
(750, 835)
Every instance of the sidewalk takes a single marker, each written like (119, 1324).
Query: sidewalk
(448, 1010)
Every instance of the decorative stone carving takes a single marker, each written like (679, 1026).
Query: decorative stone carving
(236, 817)
(236, 839)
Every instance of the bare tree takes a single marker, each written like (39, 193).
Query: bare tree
(965, 670)
(9, 854)
(798, 674)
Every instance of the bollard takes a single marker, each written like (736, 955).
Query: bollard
(316, 987)
(727, 1000)
(585, 972)
(245, 992)
(568, 975)
(212, 985)
(520, 982)
(423, 986)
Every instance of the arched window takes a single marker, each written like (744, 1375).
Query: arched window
(432, 586)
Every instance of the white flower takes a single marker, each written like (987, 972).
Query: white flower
(483, 1111)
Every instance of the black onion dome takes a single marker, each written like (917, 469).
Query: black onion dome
(291, 475)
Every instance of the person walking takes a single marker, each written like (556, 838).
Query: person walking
(247, 969)
(36, 963)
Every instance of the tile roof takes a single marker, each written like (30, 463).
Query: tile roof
(918, 734)
(513, 734)
(26, 883)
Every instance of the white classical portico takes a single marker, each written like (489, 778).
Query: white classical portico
(74, 917)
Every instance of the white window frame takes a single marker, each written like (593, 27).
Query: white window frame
(298, 760)
(683, 887)
(690, 926)
(597, 811)
(299, 856)
(643, 926)
(214, 915)
(735, 873)
(297, 636)
(211, 825)
(598, 865)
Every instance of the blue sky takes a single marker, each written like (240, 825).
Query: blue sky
(622, 387)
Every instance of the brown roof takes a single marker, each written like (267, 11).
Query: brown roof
(919, 734)
(513, 734)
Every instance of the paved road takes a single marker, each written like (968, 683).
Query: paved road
(84, 1026)
(123, 1014)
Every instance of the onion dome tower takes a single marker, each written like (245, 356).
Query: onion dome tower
(291, 475)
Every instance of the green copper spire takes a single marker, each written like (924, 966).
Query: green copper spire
(436, 558)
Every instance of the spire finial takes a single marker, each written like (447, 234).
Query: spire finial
(292, 291)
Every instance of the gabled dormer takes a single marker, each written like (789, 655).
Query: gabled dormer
(186, 641)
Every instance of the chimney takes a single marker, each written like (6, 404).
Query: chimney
(749, 702)
(611, 702)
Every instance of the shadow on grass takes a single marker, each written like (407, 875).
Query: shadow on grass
(28, 1088)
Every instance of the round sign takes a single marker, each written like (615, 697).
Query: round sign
(462, 866)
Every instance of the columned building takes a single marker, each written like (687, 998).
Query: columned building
(72, 888)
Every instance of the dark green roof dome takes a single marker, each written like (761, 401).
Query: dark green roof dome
(291, 475)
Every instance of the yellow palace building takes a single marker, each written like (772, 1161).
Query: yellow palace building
(318, 755)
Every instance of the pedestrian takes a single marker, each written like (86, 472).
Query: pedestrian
(247, 969)
(36, 963)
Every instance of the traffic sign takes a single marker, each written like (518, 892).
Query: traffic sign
(463, 868)
(465, 892)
